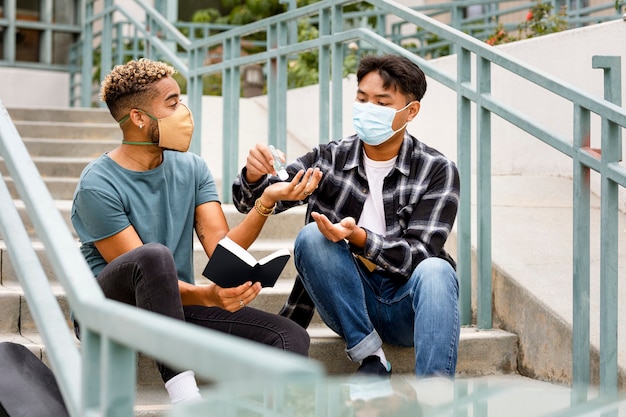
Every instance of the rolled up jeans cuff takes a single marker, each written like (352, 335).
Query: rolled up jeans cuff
(366, 347)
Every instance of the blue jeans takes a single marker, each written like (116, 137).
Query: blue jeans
(368, 308)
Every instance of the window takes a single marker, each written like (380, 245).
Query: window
(40, 32)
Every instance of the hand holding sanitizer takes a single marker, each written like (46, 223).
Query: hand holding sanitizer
(279, 165)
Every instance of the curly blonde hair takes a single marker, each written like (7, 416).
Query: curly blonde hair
(129, 86)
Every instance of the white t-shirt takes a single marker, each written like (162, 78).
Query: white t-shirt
(373, 214)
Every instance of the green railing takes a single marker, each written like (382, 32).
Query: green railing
(130, 34)
(114, 333)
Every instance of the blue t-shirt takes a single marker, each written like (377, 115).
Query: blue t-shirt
(160, 204)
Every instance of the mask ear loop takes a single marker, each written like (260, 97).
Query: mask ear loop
(405, 123)
(125, 118)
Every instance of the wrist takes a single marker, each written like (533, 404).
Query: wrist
(262, 209)
(267, 202)
(357, 237)
(251, 179)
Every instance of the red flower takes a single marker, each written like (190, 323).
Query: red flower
(529, 16)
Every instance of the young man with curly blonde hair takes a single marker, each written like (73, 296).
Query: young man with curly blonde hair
(136, 208)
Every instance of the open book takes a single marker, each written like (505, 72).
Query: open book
(231, 265)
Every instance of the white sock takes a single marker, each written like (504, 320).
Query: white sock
(183, 387)
(381, 355)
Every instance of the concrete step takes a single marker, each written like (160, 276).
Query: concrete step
(69, 148)
(68, 130)
(480, 352)
(73, 115)
(278, 233)
(55, 166)
(16, 315)
(286, 224)
(480, 355)
(259, 249)
(61, 188)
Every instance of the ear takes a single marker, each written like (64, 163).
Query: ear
(138, 118)
(413, 109)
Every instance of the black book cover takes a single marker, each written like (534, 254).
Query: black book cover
(231, 265)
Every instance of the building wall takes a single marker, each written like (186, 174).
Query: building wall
(21, 87)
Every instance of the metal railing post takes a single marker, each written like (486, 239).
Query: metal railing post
(325, 29)
(337, 75)
(611, 139)
(86, 55)
(464, 162)
(581, 227)
(483, 199)
(230, 87)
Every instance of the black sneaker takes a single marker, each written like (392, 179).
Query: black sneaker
(371, 366)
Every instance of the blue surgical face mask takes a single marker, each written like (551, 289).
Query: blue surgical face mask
(373, 123)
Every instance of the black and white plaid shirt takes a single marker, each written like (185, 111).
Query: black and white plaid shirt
(420, 196)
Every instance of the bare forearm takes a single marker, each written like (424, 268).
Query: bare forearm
(246, 232)
(358, 237)
(196, 295)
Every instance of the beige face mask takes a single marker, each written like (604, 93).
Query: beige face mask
(175, 130)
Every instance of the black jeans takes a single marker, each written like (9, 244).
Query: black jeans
(146, 277)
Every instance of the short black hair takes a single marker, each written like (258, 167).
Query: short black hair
(396, 71)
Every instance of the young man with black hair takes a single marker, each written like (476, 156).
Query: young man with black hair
(372, 255)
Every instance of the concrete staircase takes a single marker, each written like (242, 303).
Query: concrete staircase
(62, 142)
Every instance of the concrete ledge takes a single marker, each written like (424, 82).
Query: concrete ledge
(533, 275)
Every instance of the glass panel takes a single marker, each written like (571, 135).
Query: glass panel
(64, 12)
(61, 47)
(28, 9)
(27, 45)
(27, 40)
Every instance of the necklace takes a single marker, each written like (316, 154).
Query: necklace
(143, 166)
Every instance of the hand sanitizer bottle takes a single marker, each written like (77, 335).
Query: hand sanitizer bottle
(279, 166)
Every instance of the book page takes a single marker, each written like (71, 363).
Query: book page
(274, 255)
(241, 253)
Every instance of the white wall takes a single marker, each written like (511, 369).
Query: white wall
(565, 56)
(32, 88)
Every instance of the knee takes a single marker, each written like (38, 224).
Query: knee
(156, 263)
(309, 236)
(436, 274)
(309, 244)
(153, 250)
(154, 255)
(297, 339)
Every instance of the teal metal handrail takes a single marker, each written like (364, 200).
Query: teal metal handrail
(128, 33)
(109, 346)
